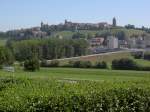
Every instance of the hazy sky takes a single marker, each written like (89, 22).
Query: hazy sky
(26, 13)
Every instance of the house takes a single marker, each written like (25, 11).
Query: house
(123, 44)
(147, 41)
(141, 42)
(132, 42)
(98, 41)
(112, 42)
(137, 42)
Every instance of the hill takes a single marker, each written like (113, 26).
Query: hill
(113, 31)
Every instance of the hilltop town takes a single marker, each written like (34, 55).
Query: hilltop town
(100, 36)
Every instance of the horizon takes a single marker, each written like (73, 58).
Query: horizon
(18, 14)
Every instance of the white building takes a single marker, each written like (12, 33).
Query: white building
(137, 42)
(147, 41)
(112, 42)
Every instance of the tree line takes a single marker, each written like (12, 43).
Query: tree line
(48, 48)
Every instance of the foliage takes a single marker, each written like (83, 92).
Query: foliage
(6, 57)
(124, 64)
(31, 64)
(41, 94)
(102, 65)
(82, 64)
(49, 48)
(137, 55)
(78, 36)
(147, 56)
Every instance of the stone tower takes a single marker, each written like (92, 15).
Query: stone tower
(114, 22)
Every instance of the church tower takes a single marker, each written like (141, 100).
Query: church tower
(42, 24)
(114, 22)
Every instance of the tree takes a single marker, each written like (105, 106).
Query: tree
(78, 36)
(32, 64)
(124, 64)
(6, 57)
(129, 26)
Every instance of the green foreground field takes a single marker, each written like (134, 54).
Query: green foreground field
(74, 90)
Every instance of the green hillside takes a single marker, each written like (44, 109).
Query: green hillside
(127, 32)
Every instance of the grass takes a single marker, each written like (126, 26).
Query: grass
(2, 42)
(143, 62)
(128, 32)
(106, 57)
(81, 74)
(56, 88)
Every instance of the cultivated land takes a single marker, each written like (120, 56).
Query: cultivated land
(79, 90)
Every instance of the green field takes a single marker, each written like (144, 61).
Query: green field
(71, 89)
(81, 74)
(2, 42)
(128, 32)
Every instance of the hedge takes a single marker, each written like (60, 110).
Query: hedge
(115, 100)
(45, 95)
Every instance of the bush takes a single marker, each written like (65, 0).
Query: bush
(137, 55)
(6, 57)
(147, 56)
(143, 68)
(31, 64)
(102, 65)
(82, 64)
(115, 100)
(124, 64)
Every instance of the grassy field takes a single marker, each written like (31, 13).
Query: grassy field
(128, 32)
(81, 74)
(108, 58)
(78, 90)
(2, 42)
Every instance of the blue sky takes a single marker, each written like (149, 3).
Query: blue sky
(16, 14)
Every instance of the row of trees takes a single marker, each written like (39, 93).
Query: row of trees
(49, 48)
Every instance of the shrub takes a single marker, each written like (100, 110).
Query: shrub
(137, 55)
(115, 100)
(124, 64)
(6, 57)
(82, 64)
(102, 65)
(31, 64)
(147, 56)
(143, 68)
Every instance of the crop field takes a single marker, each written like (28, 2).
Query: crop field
(79, 90)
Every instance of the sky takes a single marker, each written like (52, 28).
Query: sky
(16, 14)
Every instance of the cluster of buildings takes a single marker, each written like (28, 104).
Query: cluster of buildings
(86, 26)
(27, 33)
(111, 42)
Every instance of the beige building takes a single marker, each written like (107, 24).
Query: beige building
(112, 42)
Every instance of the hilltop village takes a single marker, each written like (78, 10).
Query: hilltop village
(100, 36)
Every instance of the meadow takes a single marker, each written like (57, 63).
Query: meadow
(74, 90)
